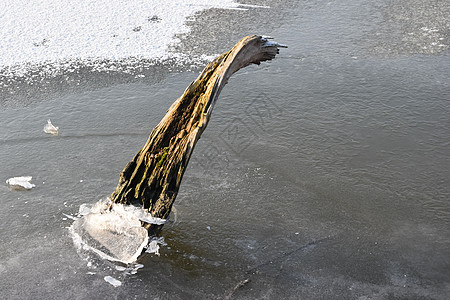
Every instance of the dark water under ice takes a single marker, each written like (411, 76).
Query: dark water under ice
(323, 174)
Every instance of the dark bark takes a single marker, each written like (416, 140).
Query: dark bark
(153, 177)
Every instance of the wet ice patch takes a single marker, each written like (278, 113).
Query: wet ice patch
(113, 231)
(400, 33)
(20, 183)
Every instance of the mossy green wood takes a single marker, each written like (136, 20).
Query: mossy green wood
(153, 177)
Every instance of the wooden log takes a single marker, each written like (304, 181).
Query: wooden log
(152, 179)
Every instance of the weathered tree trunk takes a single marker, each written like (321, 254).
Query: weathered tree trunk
(153, 177)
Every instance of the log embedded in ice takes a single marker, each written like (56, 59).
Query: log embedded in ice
(152, 179)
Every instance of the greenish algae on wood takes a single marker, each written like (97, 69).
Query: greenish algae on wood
(152, 179)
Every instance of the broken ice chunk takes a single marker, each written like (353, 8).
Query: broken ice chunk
(22, 182)
(153, 247)
(114, 234)
(120, 268)
(49, 128)
(113, 281)
(84, 209)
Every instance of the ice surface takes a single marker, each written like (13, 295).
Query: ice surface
(50, 128)
(97, 30)
(114, 231)
(22, 182)
(113, 281)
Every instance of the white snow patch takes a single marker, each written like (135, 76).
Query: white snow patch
(65, 31)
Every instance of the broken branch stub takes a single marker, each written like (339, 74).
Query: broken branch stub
(153, 177)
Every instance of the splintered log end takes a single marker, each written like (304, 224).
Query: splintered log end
(253, 49)
(270, 48)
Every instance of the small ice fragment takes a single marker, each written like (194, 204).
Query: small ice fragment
(81, 180)
(153, 247)
(120, 268)
(208, 227)
(113, 281)
(132, 269)
(49, 128)
(84, 210)
(70, 217)
(22, 182)
(146, 217)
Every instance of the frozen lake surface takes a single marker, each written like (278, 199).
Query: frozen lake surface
(323, 174)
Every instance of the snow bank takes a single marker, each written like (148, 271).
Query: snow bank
(57, 31)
